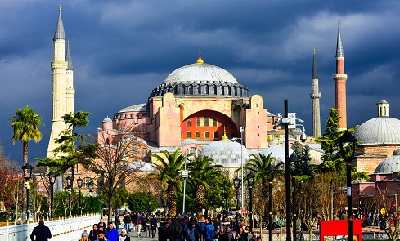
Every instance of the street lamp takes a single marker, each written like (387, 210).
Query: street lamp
(270, 169)
(250, 183)
(226, 186)
(80, 183)
(348, 140)
(27, 170)
(52, 179)
(70, 182)
(184, 174)
(236, 184)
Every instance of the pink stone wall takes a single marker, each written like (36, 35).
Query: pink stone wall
(256, 124)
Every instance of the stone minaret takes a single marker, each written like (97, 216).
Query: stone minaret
(63, 84)
(315, 96)
(340, 83)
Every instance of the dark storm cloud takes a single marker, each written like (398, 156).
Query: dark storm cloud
(121, 50)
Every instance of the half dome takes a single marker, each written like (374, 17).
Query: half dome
(226, 153)
(390, 164)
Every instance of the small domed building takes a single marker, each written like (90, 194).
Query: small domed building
(378, 138)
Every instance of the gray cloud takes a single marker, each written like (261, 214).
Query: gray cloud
(121, 50)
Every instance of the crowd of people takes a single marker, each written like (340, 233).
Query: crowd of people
(204, 229)
(179, 228)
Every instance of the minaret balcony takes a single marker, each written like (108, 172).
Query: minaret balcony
(315, 95)
(340, 76)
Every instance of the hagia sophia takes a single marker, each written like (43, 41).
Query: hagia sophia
(202, 108)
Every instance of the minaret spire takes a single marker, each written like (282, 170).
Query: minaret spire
(68, 57)
(340, 83)
(60, 33)
(315, 96)
(339, 45)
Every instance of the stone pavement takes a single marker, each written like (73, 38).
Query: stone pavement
(144, 236)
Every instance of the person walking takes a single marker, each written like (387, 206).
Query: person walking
(41, 232)
(93, 233)
(117, 221)
(192, 234)
(102, 236)
(111, 232)
(153, 226)
(123, 236)
(127, 222)
(138, 224)
(84, 236)
(209, 230)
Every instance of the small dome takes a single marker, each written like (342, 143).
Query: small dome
(226, 153)
(278, 152)
(381, 130)
(200, 72)
(107, 120)
(140, 107)
(390, 164)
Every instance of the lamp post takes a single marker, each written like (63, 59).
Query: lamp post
(226, 186)
(52, 179)
(294, 209)
(27, 170)
(271, 169)
(250, 183)
(184, 174)
(70, 182)
(236, 184)
(241, 129)
(80, 183)
(345, 141)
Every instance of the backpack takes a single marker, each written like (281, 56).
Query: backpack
(177, 231)
(191, 236)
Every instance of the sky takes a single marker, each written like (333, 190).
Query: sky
(122, 49)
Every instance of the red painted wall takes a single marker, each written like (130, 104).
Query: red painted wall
(223, 120)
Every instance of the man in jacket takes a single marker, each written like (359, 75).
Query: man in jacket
(42, 232)
(111, 232)
(209, 230)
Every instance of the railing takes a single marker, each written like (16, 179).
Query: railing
(63, 230)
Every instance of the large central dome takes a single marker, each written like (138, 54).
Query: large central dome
(201, 80)
(200, 72)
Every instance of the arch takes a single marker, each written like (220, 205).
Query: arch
(223, 123)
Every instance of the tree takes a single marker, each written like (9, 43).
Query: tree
(117, 161)
(302, 166)
(169, 166)
(67, 154)
(201, 171)
(142, 202)
(10, 185)
(264, 168)
(26, 128)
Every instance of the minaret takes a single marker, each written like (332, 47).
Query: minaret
(62, 81)
(70, 91)
(340, 83)
(315, 96)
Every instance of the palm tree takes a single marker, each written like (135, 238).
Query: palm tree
(26, 127)
(202, 170)
(169, 167)
(264, 168)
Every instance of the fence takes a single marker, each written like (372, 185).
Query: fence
(63, 230)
